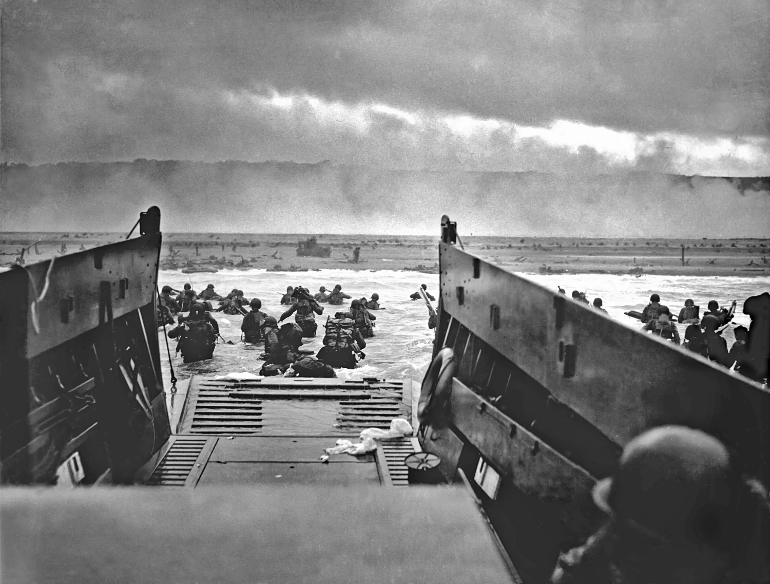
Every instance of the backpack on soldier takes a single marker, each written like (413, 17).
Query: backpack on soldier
(272, 369)
(690, 313)
(290, 336)
(339, 333)
(664, 328)
(199, 339)
(363, 323)
(252, 326)
(311, 367)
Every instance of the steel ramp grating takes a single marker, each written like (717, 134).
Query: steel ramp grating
(178, 462)
(219, 407)
(368, 413)
(217, 412)
(391, 455)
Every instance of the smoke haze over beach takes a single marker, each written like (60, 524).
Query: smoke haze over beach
(556, 117)
(324, 198)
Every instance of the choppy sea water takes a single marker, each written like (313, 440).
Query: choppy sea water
(402, 344)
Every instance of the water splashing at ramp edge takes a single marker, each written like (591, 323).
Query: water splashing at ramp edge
(402, 345)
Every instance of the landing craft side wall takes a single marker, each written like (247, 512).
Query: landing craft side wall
(90, 286)
(80, 363)
(545, 394)
(619, 380)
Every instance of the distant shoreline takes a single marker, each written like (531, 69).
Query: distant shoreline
(744, 257)
(288, 238)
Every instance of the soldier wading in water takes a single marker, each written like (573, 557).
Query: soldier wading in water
(305, 308)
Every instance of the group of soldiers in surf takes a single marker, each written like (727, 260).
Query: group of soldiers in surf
(581, 297)
(703, 335)
(344, 337)
(343, 341)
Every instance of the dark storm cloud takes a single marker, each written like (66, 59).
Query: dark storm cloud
(106, 81)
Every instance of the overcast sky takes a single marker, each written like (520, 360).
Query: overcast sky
(680, 86)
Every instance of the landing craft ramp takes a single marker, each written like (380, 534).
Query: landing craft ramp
(247, 456)
(240, 495)
(274, 430)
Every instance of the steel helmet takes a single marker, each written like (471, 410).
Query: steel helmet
(675, 483)
(710, 322)
(197, 309)
(256, 303)
(692, 331)
(166, 290)
(270, 321)
(375, 296)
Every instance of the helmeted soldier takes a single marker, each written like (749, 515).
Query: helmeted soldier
(678, 512)
(197, 335)
(270, 333)
(363, 318)
(374, 303)
(304, 311)
(252, 322)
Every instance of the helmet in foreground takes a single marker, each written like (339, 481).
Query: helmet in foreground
(674, 483)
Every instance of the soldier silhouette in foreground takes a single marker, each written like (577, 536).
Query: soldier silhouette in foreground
(678, 512)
